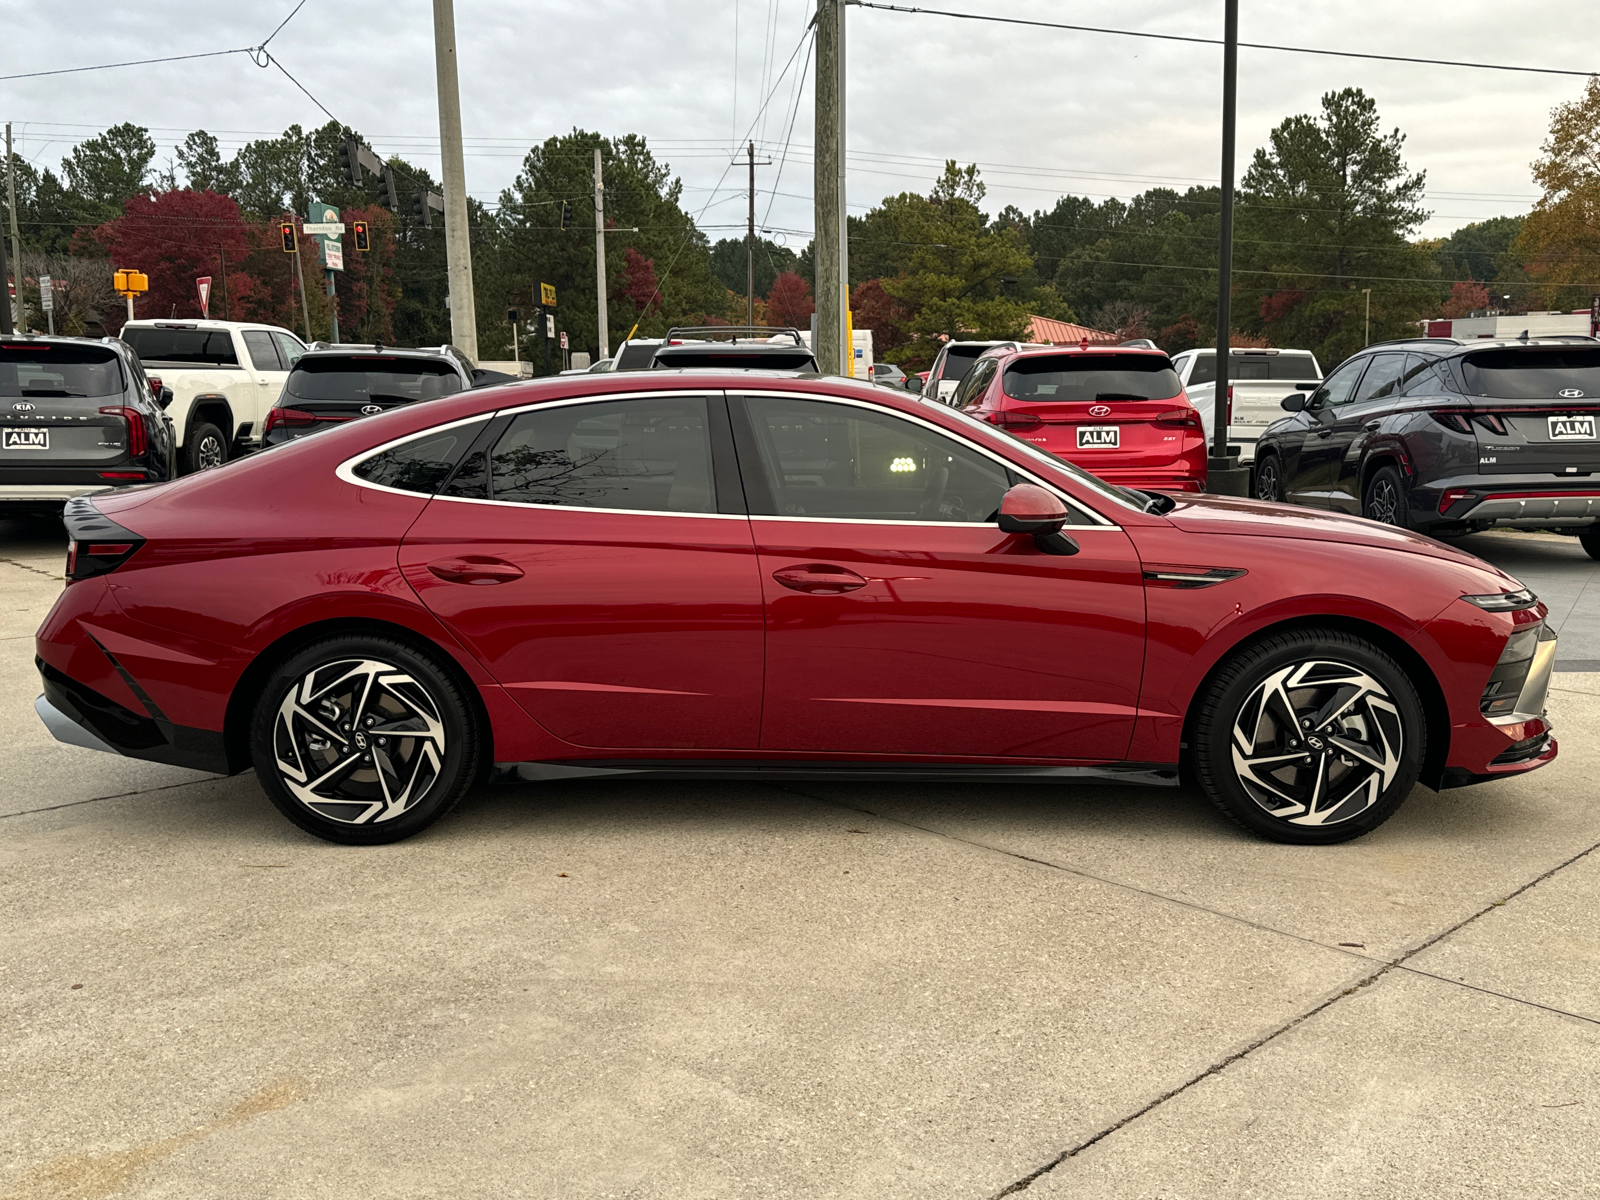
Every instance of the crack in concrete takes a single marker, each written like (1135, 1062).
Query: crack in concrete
(26, 567)
(1385, 966)
(27, 812)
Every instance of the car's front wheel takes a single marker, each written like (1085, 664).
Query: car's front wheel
(1313, 737)
(1385, 499)
(363, 740)
(204, 447)
(1269, 479)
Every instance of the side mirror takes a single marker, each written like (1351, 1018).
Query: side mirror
(1028, 508)
(164, 397)
(1293, 402)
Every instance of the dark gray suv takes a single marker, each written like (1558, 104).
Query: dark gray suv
(331, 384)
(1448, 436)
(77, 415)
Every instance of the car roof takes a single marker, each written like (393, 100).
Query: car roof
(1004, 351)
(204, 323)
(1453, 347)
(410, 352)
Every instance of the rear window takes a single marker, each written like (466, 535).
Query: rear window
(208, 347)
(55, 370)
(958, 361)
(635, 357)
(1289, 366)
(1510, 374)
(798, 359)
(1071, 378)
(369, 376)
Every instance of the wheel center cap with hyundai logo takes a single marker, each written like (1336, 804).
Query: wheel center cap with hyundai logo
(1100, 410)
(1313, 742)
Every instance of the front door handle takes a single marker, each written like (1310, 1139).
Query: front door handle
(475, 569)
(1325, 433)
(821, 579)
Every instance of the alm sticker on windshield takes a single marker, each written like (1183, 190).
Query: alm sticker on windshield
(1098, 437)
(1570, 429)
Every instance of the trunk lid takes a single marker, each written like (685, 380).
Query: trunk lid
(1534, 409)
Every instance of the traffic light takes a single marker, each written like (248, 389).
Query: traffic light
(388, 196)
(514, 316)
(358, 230)
(352, 163)
(420, 211)
(291, 244)
(566, 213)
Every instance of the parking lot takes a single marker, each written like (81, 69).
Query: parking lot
(638, 989)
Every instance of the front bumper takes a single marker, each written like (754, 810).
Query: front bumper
(1514, 743)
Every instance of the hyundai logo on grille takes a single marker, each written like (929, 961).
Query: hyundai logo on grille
(23, 407)
(368, 410)
(1564, 393)
(1100, 410)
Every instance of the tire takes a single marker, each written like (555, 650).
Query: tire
(1269, 479)
(419, 722)
(204, 447)
(1347, 784)
(1384, 500)
(1589, 539)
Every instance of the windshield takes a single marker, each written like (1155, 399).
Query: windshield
(1097, 485)
(958, 361)
(210, 347)
(49, 370)
(1510, 374)
(635, 356)
(362, 377)
(1074, 378)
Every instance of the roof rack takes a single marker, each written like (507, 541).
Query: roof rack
(732, 333)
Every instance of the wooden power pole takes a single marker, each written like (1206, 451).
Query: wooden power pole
(600, 254)
(457, 244)
(830, 246)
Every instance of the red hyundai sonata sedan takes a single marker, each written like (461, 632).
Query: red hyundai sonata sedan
(776, 576)
(1118, 411)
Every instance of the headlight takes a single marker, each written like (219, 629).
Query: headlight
(1504, 601)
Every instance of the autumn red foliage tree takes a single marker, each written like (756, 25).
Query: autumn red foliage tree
(638, 283)
(1466, 295)
(789, 302)
(875, 309)
(175, 238)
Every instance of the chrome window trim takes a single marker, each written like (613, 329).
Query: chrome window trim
(1097, 521)
(346, 469)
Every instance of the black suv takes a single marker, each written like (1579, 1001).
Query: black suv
(747, 347)
(330, 384)
(1448, 436)
(77, 415)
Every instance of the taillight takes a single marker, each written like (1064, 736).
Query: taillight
(1230, 404)
(1013, 420)
(292, 417)
(1180, 418)
(86, 559)
(1451, 496)
(137, 441)
(155, 386)
(1453, 420)
(1492, 422)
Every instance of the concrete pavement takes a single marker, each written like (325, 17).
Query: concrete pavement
(628, 989)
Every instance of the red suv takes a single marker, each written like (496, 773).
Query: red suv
(1117, 411)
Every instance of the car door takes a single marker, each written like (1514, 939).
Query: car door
(1356, 421)
(902, 621)
(270, 373)
(598, 562)
(1312, 477)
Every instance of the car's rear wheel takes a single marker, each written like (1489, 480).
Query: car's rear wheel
(363, 740)
(1269, 479)
(204, 447)
(1589, 539)
(1311, 737)
(1385, 499)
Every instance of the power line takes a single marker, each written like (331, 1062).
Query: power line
(1174, 37)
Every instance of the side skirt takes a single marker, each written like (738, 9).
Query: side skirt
(1141, 774)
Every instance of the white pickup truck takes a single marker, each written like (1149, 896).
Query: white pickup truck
(224, 376)
(1258, 379)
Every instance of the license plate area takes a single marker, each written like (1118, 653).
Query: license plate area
(1572, 428)
(24, 439)
(1099, 437)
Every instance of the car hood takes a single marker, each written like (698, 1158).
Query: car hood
(1256, 518)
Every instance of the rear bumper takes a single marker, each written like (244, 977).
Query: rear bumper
(1157, 480)
(50, 493)
(1510, 501)
(80, 716)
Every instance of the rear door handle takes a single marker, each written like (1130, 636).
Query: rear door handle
(475, 569)
(822, 579)
(1372, 426)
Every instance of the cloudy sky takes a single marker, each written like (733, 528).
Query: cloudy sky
(1042, 111)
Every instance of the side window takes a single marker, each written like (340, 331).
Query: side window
(1422, 376)
(1205, 370)
(289, 349)
(262, 355)
(1382, 378)
(1337, 388)
(422, 463)
(650, 455)
(848, 463)
(972, 387)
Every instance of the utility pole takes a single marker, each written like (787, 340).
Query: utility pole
(5, 300)
(457, 247)
(749, 246)
(1224, 475)
(222, 259)
(1366, 333)
(828, 246)
(11, 202)
(600, 254)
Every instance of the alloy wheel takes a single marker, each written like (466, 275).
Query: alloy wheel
(1267, 480)
(208, 453)
(358, 741)
(1383, 505)
(1317, 743)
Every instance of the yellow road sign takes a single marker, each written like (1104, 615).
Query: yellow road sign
(547, 295)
